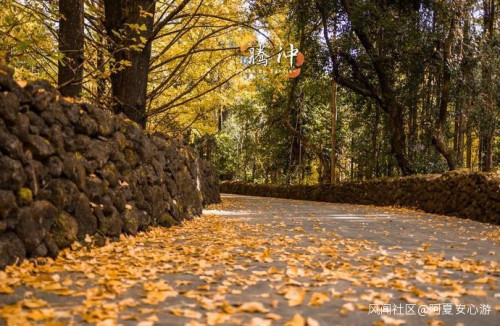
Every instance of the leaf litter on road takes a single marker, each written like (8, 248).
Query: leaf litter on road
(216, 270)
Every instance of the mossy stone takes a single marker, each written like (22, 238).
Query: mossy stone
(130, 220)
(64, 230)
(24, 196)
(166, 219)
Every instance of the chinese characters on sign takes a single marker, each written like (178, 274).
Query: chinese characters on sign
(438, 309)
(259, 56)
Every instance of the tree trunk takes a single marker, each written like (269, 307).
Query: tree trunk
(71, 42)
(387, 97)
(102, 78)
(464, 142)
(219, 118)
(324, 176)
(374, 151)
(488, 122)
(351, 161)
(301, 164)
(460, 125)
(131, 50)
(438, 138)
(413, 128)
(460, 137)
(333, 157)
(398, 137)
(468, 144)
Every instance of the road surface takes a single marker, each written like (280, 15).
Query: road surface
(266, 261)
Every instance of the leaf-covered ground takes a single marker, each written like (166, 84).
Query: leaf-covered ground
(263, 261)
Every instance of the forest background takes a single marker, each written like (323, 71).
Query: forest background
(387, 88)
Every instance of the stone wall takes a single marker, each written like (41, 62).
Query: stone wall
(459, 193)
(68, 170)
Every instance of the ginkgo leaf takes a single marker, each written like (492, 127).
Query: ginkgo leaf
(6, 289)
(227, 308)
(186, 313)
(207, 304)
(346, 307)
(128, 302)
(272, 270)
(312, 322)
(253, 307)
(318, 299)
(215, 318)
(155, 297)
(145, 323)
(257, 321)
(295, 296)
(273, 316)
(34, 303)
(482, 280)
(295, 272)
(194, 323)
(41, 314)
(392, 321)
(297, 320)
(477, 292)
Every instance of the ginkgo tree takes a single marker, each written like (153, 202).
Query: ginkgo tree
(195, 64)
(170, 54)
(28, 39)
(418, 82)
(144, 58)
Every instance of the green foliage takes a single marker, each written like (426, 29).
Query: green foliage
(379, 52)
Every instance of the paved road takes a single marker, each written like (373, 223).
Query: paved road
(265, 261)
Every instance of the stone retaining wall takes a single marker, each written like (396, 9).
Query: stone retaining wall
(459, 193)
(68, 170)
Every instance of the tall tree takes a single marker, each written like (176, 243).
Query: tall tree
(438, 139)
(488, 119)
(384, 93)
(129, 25)
(71, 43)
(333, 132)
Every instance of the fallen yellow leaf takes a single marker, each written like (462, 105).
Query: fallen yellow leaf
(5, 289)
(186, 313)
(392, 321)
(318, 298)
(295, 296)
(253, 307)
(257, 321)
(297, 320)
(34, 303)
(311, 322)
(346, 307)
(214, 318)
(273, 316)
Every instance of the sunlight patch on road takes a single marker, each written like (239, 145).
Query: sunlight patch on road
(347, 217)
(357, 217)
(226, 213)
